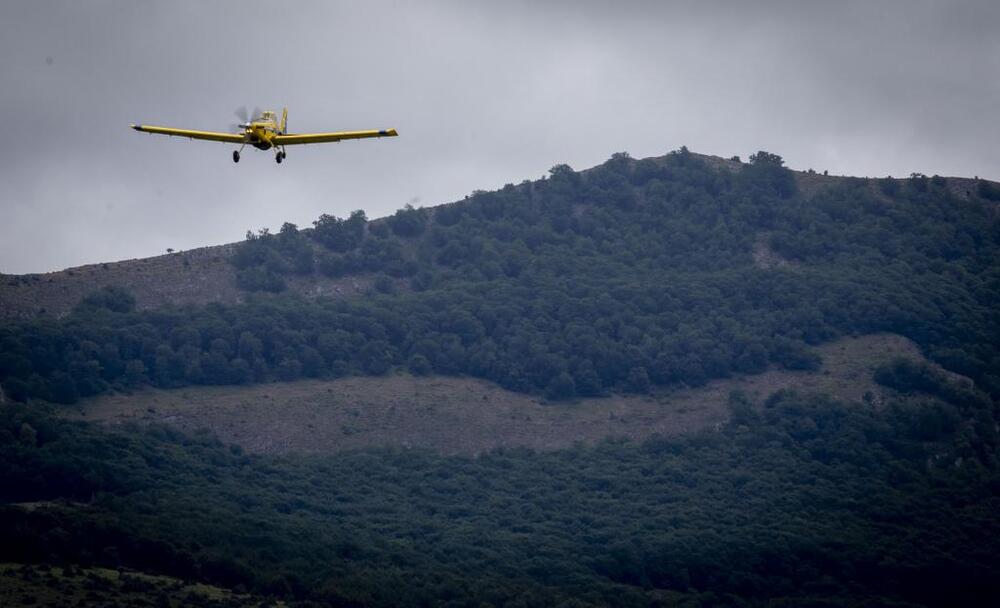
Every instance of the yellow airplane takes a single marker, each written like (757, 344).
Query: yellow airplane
(263, 131)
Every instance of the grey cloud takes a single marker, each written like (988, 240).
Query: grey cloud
(483, 93)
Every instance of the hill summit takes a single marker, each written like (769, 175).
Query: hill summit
(207, 274)
(669, 381)
(630, 275)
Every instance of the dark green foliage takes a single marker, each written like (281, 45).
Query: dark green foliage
(888, 186)
(384, 284)
(632, 275)
(260, 279)
(263, 259)
(908, 376)
(335, 265)
(631, 266)
(988, 190)
(297, 248)
(562, 386)
(918, 182)
(408, 222)
(419, 365)
(110, 297)
(338, 234)
(794, 355)
(768, 170)
(799, 501)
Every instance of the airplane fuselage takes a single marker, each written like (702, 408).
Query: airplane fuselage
(265, 131)
(260, 134)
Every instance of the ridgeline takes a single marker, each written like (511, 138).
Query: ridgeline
(843, 478)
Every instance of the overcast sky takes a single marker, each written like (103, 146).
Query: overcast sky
(482, 93)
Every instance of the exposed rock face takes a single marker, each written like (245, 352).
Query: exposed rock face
(765, 257)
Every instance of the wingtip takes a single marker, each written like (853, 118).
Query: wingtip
(136, 127)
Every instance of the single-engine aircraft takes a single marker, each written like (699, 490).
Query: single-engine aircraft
(263, 131)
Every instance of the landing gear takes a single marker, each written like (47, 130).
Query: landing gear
(236, 156)
(280, 156)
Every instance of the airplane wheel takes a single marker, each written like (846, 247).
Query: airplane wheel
(277, 158)
(236, 156)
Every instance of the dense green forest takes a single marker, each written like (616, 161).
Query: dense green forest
(797, 501)
(631, 275)
(623, 278)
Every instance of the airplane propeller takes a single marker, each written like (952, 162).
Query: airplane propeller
(245, 118)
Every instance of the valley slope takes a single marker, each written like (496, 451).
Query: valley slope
(680, 380)
(466, 416)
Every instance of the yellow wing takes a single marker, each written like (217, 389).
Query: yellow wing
(317, 138)
(233, 138)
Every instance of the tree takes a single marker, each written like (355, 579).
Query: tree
(766, 159)
(741, 410)
(63, 388)
(340, 235)
(637, 381)
(586, 381)
(135, 372)
(888, 186)
(383, 284)
(768, 170)
(260, 279)
(289, 369)
(795, 355)
(419, 365)
(561, 387)
(376, 357)
(988, 190)
(408, 222)
(109, 297)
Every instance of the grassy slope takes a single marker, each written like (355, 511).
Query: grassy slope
(467, 416)
(32, 585)
(198, 276)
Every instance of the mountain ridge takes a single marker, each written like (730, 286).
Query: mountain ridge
(628, 276)
(759, 365)
(205, 274)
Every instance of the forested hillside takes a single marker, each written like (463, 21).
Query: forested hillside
(635, 277)
(798, 501)
(628, 276)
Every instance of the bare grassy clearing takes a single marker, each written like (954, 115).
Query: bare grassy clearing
(42, 585)
(467, 416)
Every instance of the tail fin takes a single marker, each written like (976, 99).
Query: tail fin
(284, 120)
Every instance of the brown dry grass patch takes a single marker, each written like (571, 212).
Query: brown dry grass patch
(467, 416)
